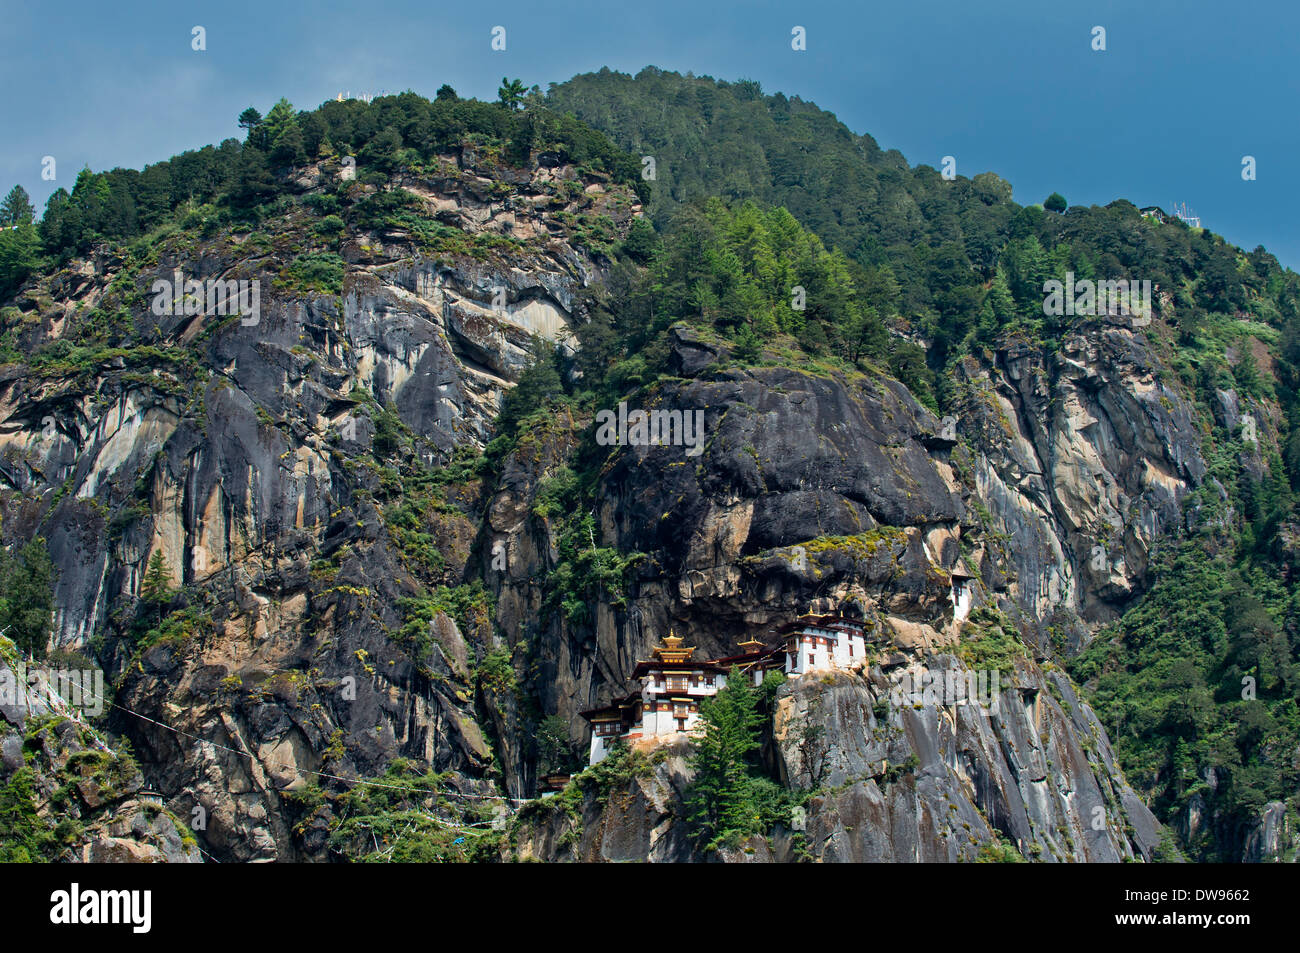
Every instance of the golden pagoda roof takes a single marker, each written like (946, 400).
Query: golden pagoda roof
(672, 650)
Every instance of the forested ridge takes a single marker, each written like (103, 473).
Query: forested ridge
(900, 272)
(245, 180)
(1198, 683)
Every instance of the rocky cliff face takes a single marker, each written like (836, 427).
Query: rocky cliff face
(271, 464)
(815, 492)
(894, 782)
(937, 783)
(1084, 457)
(91, 797)
(250, 454)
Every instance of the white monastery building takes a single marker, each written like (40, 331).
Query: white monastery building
(666, 704)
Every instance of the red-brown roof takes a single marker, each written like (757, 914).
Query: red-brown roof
(614, 708)
(821, 622)
(749, 658)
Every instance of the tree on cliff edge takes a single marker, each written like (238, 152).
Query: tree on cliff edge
(156, 587)
(27, 602)
(722, 802)
(511, 93)
(17, 208)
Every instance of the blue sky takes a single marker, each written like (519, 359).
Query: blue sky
(1185, 89)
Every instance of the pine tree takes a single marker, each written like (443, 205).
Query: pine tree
(554, 748)
(280, 118)
(998, 309)
(17, 208)
(383, 151)
(156, 587)
(19, 256)
(288, 148)
(880, 286)
(721, 802)
(250, 119)
(511, 93)
(538, 385)
(28, 581)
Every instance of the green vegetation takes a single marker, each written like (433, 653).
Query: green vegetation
(1197, 686)
(321, 272)
(177, 628)
(586, 571)
(999, 852)
(556, 751)
(619, 768)
(968, 262)
(17, 208)
(24, 837)
(730, 798)
(19, 257)
(761, 284)
(27, 596)
(1196, 683)
(403, 816)
(241, 181)
(511, 93)
(862, 546)
(470, 605)
(536, 411)
(62, 358)
(406, 522)
(989, 642)
(496, 671)
(780, 237)
(156, 586)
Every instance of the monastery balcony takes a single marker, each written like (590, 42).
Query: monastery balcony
(684, 688)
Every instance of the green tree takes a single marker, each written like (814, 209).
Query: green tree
(288, 147)
(249, 120)
(864, 334)
(999, 852)
(554, 747)
(27, 610)
(156, 587)
(511, 93)
(19, 256)
(382, 152)
(24, 836)
(641, 240)
(538, 386)
(17, 208)
(880, 287)
(252, 180)
(279, 119)
(1055, 203)
(722, 800)
(999, 308)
